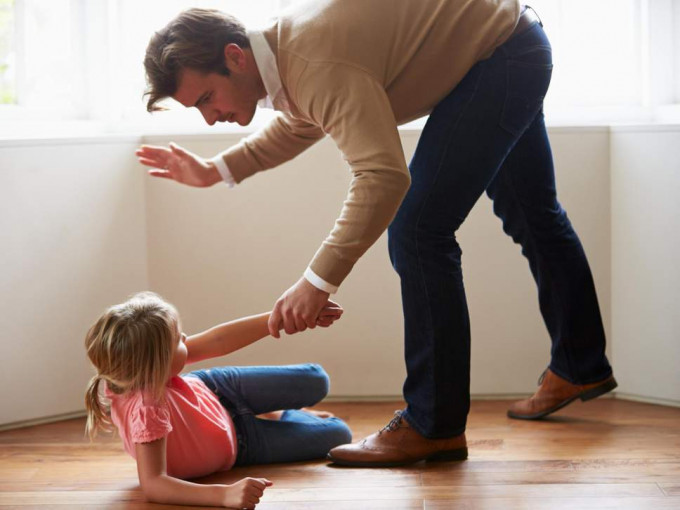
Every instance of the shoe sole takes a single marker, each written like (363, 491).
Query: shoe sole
(590, 394)
(446, 456)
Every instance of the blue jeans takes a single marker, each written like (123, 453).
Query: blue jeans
(248, 391)
(488, 135)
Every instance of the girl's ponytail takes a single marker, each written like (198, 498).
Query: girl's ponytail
(97, 413)
(131, 347)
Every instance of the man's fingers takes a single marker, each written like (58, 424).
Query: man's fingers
(300, 322)
(176, 149)
(331, 312)
(289, 322)
(154, 163)
(274, 323)
(152, 151)
(309, 321)
(160, 173)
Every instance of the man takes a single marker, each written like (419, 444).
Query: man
(355, 69)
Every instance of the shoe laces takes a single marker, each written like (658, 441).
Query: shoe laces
(394, 423)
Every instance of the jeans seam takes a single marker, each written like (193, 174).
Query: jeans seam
(530, 234)
(427, 198)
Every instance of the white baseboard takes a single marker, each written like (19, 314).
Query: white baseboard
(399, 398)
(647, 400)
(369, 398)
(42, 421)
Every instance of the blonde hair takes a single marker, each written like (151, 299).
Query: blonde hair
(131, 346)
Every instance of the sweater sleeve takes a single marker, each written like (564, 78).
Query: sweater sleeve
(283, 138)
(353, 108)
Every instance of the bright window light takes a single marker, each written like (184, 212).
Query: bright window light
(82, 59)
(597, 51)
(139, 20)
(7, 53)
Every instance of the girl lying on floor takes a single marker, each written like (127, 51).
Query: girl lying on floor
(180, 427)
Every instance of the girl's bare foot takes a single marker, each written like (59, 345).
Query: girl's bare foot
(319, 414)
(276, 415)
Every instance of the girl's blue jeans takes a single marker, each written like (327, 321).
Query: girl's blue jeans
(488, 136)
(248, 391)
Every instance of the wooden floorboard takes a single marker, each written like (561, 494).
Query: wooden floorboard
(606, 454)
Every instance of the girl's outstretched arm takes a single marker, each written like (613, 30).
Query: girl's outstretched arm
(158, 487)
(226, 338)
(232, 336)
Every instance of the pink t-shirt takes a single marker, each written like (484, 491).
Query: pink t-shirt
(201, 438)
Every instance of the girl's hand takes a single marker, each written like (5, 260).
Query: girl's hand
(329, 313)
(245, 493)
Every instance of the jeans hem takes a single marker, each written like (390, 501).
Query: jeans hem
(420, 430)
(589, 380)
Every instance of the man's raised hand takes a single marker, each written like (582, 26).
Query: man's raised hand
(178, 164)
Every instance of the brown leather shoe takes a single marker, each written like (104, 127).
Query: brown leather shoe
(398, 444)
(554, 393)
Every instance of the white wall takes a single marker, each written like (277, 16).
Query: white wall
(220, 253)
(72, 231)
(645, 254)
(82, 228)
(511, 347)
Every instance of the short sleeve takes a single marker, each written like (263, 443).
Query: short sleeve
(149, 423)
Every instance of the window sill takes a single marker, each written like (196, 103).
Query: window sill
(157, 130)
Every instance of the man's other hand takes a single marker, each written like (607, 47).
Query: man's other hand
(297, 309)
(178, 164)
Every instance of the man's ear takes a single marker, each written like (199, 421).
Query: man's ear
(234, 57)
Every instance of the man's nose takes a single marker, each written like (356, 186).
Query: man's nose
(210, 117)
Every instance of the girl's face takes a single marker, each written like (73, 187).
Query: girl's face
(179, 357)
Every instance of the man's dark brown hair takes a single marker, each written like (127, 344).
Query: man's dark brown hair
(195, 39)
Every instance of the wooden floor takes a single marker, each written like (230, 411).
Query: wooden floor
(606, 454)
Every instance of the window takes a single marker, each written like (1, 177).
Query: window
(82, 59)
(7, 53)
(598, 54)
(138, 20)
(676, 51)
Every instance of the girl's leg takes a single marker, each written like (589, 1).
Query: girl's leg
(258, 390)
(297, 436)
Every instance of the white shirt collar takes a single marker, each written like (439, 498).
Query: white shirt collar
(266, 64)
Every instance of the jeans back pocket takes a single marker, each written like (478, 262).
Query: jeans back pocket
(528, 77)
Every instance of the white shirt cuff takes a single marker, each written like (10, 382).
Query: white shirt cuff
(223, 170)
(319, 283)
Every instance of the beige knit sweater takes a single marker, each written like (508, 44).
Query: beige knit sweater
(355, 69)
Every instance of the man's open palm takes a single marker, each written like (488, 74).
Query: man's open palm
(178, 164)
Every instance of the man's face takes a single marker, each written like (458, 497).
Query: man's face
(219, 98)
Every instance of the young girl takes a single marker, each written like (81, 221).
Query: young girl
(180, 427)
